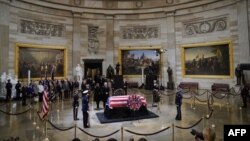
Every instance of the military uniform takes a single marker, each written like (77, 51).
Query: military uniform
(85, 108)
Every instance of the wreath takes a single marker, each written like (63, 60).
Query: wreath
(134, 102)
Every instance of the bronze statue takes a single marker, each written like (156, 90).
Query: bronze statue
(170, 74)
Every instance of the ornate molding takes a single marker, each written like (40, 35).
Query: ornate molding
(93, 42)
(40, 28)
(140, 32)
(205, 26)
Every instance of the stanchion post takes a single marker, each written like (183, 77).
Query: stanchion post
(121, 133)
(75, 130)
(203, 118)
(46, 138)
(173, 132)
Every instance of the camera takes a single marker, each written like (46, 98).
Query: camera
(197, 134)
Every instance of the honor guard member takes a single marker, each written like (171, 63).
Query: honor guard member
(178, 102)
(75, 105)
(156, 96)
(85, 108)
(8, 89)
(18, 88)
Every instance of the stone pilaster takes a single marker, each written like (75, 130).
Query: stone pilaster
(244, 56)
(170, 57)
(76, 41)
(109, 41)
(4, 37)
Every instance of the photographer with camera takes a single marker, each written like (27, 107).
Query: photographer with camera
(207, 134)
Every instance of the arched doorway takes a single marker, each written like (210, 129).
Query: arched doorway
(92, 68)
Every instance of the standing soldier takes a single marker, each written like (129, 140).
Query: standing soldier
(75, 105)
(85, 108)
(8, 89)
(18, 90)
(178, 102)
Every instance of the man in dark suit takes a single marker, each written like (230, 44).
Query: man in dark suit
(238, 74)
(53, 72)
(178, 102)
(75, 105)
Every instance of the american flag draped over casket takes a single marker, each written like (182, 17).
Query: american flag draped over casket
(122, 101)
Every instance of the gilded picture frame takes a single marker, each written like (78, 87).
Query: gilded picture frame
(40, 59)
(134, 59)
(207, 60)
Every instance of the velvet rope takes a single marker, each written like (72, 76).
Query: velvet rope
(60, 128)
(147, 134)
(210, 114)
(104, 136)
(200, 100)
(15, 114)
(190, 126)
(197, 93)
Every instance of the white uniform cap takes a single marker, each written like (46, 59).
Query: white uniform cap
(86, 91)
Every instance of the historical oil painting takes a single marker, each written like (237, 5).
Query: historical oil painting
(41, 60)
(133, 60)
(212, 60)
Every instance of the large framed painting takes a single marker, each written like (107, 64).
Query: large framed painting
(134, 59)
(207, 60)
(40, 60)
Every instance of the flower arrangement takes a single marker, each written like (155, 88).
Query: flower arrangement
(134, 102)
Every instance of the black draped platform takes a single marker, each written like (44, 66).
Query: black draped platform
(124, 114)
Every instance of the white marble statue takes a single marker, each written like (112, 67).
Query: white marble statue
(3, 77)
(79, 75)
(78, 72)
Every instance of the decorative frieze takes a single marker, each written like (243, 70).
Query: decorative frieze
(140, 32)
(205, 26)
(93, 42)
(41, 28)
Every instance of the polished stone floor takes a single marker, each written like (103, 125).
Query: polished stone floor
(28, 127)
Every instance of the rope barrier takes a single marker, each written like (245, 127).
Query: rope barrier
(188, 97)
(148, 134)
(200, 100)
(190, 126)
(60, 128)
(198, 93)
(15, 114)
(210, 114)
(104, 136)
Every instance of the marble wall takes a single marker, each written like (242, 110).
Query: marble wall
(100, 34)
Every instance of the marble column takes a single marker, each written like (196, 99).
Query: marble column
(76, 41)
(4, 36)
(170, 59)
(109, 41)
(244, 56)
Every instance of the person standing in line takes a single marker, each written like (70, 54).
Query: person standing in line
(53, 69)
(97, 95)
(178, 102)
(8, 89)
(105, 94)
(85, 108)
(75, 105)
(24, 94)
(244, 94)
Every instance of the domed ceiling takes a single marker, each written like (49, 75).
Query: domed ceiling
(122, 4)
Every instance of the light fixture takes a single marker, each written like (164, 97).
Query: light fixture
(157, 52)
